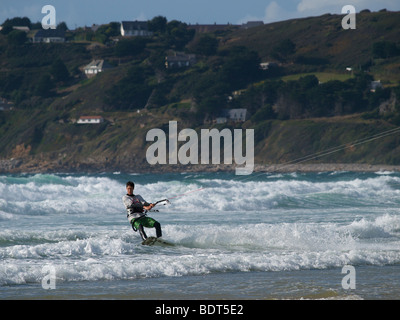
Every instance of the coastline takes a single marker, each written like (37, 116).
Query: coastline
(19, 166)
(326, 167)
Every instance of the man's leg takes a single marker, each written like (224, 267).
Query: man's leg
(157, 225)
(142, 233)
(151, 223)
(137, 226)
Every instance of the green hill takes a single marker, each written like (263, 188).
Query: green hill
(306, 103)
(322, 44)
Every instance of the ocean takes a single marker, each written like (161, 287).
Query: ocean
(331, 235)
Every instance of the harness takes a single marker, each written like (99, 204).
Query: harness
(133, 221)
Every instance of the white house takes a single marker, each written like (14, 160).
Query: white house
(49, 35)
(135, 28)
(90, 120)
(180, 60)
(22, 28)
(268, 65)
(5, 105)
(375, 85)
(235, 115)
(95, 67)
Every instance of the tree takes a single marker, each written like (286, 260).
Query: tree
(16, 37)
(131, 92)
(284, 49)
(158, 24)
(59, 71)
(240, 67)
(178, 35)
(205, 45)
(385, 49)
(105, 31)
(62, 26)
(130, 47)
(14, 22)
(308, 82)
(44, 86)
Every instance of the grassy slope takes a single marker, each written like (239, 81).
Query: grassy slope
(324, 37)
(120, 142)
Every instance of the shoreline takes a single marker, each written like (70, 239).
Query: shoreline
(19, 166)
(327, 167)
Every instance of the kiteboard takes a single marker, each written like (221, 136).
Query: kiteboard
(153, 241)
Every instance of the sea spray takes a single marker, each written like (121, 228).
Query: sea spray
(268, 223)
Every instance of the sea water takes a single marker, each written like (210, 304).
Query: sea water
(264, 236)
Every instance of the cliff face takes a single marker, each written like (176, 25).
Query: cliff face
(122, 146)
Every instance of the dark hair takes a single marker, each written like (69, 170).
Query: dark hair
(131, 184)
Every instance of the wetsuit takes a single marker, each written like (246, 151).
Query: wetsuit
(136, 216)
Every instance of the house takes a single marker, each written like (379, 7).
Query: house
(375, 85)
(135, 28)
(179, 60)
(95, 67)
(90, 120)
(22, 28)
(252, 24)
(268, 65)
(49, 35)
(5, 105)
(235, 115)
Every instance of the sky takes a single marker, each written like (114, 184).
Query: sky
(79, 13)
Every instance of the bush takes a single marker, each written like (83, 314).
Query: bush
(385, 49)
(16, 37)
(130, 47)
(131, 92)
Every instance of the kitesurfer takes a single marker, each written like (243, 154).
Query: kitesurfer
(135, 206)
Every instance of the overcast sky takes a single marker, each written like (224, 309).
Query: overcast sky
(78, 13)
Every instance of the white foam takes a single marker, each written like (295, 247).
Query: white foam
(78, 225)
(73, 194)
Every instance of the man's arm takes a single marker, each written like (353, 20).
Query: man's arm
(149, 206)
(146, 205)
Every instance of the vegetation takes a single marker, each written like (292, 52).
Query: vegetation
(318, 71)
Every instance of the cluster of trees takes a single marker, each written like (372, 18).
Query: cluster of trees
(35, 70)
(16, 89)
(18, 22)
(209, 85)
(173, 34)
(102, 34)
(17, 37)
(234, 69)
(306, 97)
(385, 49)
(132, 91)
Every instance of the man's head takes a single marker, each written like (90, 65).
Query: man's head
(129, 187)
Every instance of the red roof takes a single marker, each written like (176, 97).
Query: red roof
(91, 117)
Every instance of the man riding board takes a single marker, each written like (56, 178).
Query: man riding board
(135, 206)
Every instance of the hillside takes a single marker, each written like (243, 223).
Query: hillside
(306, 104)
(322, 43)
